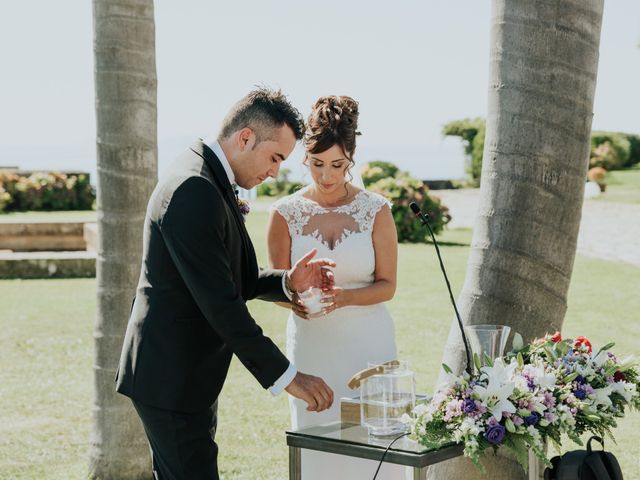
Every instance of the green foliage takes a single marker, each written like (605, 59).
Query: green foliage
(280, 186)
(377, 170)
(404, 190)
(392, 183)
(472, 132)
(634, 149)
(625, 147)
(610, 150)
(45, 191)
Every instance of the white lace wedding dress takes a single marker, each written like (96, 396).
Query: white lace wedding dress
(337, 345)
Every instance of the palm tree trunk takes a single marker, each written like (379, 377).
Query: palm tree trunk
(543, 65)
(126, 85)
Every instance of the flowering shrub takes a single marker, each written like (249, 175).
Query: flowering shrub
(606, 156)
(399, 187)
(533, 395)
(45, 191)
(404, 190)
(377, 170)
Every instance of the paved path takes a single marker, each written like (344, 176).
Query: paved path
(607, 230)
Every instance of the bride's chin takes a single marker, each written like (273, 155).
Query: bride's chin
(324, 189)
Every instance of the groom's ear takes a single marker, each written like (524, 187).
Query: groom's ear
(246, 139)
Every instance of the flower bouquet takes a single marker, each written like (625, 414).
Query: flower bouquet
(530, 397)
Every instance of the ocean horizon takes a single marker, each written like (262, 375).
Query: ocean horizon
(435, 161)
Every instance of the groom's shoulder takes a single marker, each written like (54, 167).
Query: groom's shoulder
(183, 190)
(189, 168)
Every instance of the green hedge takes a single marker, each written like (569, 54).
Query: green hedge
(45, 191)
(611, 150)
(621, 150)
(280, 186)
(472, 131)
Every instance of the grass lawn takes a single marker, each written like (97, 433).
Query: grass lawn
(46, 356)
(623, 186)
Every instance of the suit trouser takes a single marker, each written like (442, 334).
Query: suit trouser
(182, 444)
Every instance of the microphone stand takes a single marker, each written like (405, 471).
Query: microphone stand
(424, 218)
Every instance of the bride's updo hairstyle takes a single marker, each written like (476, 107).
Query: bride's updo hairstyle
(333, 121)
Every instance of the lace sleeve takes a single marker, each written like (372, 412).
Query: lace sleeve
(369, 207)
(289, 209)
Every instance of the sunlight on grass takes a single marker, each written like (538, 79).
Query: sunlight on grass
(623, 186)
(47, 353)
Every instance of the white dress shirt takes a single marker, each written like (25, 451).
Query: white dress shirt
(287, 377)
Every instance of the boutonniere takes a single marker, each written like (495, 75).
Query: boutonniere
(243, 205)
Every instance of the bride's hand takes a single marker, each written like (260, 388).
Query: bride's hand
(337, 297)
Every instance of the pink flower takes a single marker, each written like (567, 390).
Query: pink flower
(453, 409)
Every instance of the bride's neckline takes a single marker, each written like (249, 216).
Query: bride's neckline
(301, 193)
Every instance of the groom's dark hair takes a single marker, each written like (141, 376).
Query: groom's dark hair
(263, 110)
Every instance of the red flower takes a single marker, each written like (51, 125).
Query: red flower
(579, 341)
(556, 337)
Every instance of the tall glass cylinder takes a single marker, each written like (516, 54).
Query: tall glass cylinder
(487, 340)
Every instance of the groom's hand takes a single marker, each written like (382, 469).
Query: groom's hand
(312, 390)
(307, 273)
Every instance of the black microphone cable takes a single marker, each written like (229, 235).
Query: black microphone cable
(386, 450)
(424, 218)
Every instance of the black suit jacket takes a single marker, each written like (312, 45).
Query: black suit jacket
(189, 315)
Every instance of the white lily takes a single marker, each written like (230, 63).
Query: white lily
(500, 372)
(626, 390)
(546, 380)
(601, 396)
(495, 396)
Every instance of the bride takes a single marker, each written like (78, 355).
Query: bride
(354, 228)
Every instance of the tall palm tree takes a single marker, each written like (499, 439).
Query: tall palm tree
(543, 65)
(126, 85)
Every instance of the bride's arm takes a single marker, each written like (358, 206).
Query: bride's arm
(278, 245)
(385, 245)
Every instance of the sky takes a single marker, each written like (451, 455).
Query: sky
(413, 65)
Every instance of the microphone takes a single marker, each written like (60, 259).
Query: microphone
(425, 220)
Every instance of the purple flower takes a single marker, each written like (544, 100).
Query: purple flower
(549, 400)
(581, 380)
(580, 393)
(517, 421)
(495, 434)
(532, 419)
(469, 406)
(243, 205)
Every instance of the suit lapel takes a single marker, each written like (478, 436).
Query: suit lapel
(222, 180)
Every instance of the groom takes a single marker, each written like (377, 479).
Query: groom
(198, 270)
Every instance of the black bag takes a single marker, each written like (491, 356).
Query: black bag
(584, 465)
